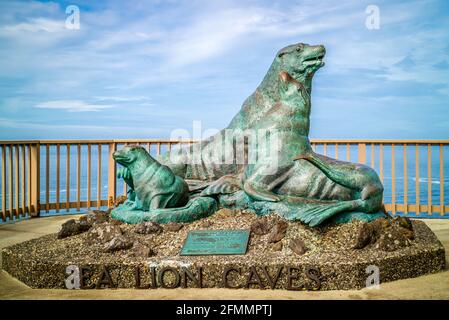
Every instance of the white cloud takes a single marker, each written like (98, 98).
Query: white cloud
(35, 25)
(14, 123)
(11, 9)
(122, 99)
(72, 106)
(202, 54)
(41, 130)
(210, 34)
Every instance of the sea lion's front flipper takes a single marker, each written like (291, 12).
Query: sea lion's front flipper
(260, 182)
(125, 174)
(196, 186)
(160, 200)
(224, 185)
(258, 193)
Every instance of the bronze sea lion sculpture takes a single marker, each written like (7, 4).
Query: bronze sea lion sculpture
(155, 191)
(284, 176)
(155, 186)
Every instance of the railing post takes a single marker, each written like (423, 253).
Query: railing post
(362, 153)
(3, 213)
(35, 179)
(99, 177)
(111, 176)
(442, 211)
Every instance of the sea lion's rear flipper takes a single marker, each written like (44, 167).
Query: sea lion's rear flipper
(309, 211)
(358, 177)
(341, 172)
(195, 209)
(315, 215)
(224, 185)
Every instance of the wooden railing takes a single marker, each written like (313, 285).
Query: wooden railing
(415, 146)
(29, 168)
(35, 173)
(23, 194)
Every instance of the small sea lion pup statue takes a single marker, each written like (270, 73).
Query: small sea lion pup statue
(152, 185)
(155, 192)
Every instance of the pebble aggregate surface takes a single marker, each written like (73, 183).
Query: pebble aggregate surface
(42, 262)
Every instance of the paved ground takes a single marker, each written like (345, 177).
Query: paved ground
(434, 286)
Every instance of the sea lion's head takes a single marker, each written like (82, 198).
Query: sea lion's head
(301, 60)
(129, 154)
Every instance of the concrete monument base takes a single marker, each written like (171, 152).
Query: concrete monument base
(280, 255)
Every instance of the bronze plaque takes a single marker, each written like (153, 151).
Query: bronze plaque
(215, 242)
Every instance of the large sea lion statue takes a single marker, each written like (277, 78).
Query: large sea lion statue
(292, 181)
(206, 160)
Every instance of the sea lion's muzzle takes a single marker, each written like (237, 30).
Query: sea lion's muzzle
(120, 156)
(117, 154)
(315, 56)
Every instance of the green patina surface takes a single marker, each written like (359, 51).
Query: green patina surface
(286, 177)
(215, 242)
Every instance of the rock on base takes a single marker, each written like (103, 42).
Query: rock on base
(42, 262)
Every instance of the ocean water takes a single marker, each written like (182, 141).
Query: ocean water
(437, 185)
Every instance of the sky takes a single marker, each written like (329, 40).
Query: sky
(142, 69)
